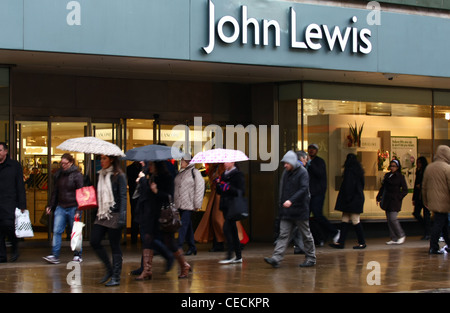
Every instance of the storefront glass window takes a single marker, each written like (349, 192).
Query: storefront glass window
(383, 131)
(441, 125)
(4, 105)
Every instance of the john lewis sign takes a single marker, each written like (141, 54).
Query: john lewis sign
(314, 36)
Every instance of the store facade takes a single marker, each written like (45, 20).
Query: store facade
(130, 72)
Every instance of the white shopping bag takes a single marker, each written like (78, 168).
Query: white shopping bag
(76, 239)
(23, 224)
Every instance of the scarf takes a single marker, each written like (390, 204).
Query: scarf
(105, 197)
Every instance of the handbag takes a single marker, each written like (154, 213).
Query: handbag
(237, 208)
(86, 198)
(169, 220)
(23, 226)
(76, 238)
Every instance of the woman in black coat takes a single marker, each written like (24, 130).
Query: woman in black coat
(350, 201)
(393, 190)
(425, 221)
(228, 185)
(156, 189)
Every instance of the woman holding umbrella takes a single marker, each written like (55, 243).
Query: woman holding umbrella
(111, 216)
(228, 185)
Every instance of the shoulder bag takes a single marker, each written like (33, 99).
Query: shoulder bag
(169, 220)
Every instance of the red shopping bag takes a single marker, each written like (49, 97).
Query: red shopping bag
(86, 198)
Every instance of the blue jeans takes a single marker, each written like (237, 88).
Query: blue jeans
(62, 218)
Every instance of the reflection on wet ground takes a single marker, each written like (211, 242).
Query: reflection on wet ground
(377, 269)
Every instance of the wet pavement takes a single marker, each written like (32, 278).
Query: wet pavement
(377, 269)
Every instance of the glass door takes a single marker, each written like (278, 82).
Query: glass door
(32, 154)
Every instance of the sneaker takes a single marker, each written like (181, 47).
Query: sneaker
(235, 261)
(272, 262)
(77, 258)
(391, 242)
(401, 240)
(228, 261)
(51, 259)
(307, 263)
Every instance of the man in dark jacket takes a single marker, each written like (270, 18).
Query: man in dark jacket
(318, 186)
(12, 196)
(293, 210)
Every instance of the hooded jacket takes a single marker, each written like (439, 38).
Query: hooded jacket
(436, 182)
(294, 186)
(65, 184)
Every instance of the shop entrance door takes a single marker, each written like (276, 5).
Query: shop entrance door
(37, 153)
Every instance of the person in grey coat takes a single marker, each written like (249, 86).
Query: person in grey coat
(293, 211)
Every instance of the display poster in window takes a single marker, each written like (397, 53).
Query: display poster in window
(404, 149)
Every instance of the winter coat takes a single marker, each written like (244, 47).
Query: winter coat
(189, 189)
(417, 193)
(119, 188)
(12, 191)
(149, 204)
(65, 184)
(351, 193)
(436, 182)
(236, 181)
(317, 172)
(294, 186)
(392, 191)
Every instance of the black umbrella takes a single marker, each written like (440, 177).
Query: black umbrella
(153, 153)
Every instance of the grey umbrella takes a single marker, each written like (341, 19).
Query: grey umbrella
(153, 153)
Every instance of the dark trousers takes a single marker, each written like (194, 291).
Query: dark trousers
(114, 236)
(316, 208)
(186, 232)
(425, 221)
(231, 234)
(440, 226)
(134, 224)
(7, 232)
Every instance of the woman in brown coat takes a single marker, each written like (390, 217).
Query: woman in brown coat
(436, 196)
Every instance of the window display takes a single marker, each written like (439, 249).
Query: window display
(376, 132)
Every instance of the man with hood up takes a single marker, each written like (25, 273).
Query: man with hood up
(293, 210)
(436, 196)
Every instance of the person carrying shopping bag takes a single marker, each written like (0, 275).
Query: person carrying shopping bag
(64, 204)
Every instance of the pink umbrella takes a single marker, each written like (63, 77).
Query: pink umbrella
(219, 156)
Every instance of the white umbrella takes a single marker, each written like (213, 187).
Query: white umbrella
(219, 156)
(91, 145)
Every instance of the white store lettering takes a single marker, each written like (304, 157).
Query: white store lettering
(314, 36)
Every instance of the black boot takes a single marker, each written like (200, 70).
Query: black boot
(343, 235)
(138, 271)
(117, 270)
(360, 235)
(101, 253)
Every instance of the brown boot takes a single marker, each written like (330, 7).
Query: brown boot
(184, 266)
(147, 258)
